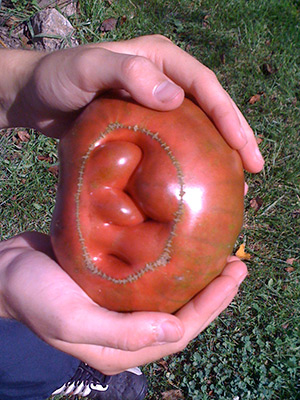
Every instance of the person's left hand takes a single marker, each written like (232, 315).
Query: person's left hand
(155, 72)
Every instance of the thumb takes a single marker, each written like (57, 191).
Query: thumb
(125, 331)
(96, 70)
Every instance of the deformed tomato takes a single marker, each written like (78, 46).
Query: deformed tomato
(149, 204)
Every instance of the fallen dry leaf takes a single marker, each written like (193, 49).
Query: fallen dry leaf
(259, 139)
(108, 25)
(12, 21)
(54, 170)
(289, 269)
(26, 44)
(206, 22)
(256, 203)
(45, 158)
(241, 254)
(163, 363)
(23, 136)
(290, 261)
(122, 20)
(172, 395)
(254, 99)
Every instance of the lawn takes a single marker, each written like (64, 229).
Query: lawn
(252, 350)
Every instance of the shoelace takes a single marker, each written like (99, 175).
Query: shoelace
(83, 382)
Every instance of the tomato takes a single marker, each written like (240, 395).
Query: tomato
(149, 204)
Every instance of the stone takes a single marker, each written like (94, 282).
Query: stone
(52, 31)
(9, 39)
(68, 7)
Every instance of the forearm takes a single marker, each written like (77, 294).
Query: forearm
(16, 68)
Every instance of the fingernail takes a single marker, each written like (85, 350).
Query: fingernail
(168, 331)
(166, 91)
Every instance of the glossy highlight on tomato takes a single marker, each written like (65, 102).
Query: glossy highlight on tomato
(149, 204)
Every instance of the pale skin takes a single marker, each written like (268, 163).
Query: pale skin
(46, 92)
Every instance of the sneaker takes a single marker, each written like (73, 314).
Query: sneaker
(91, 384)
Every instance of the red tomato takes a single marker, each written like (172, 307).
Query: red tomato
(149, 204)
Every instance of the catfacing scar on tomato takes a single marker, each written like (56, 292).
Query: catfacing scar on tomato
(149, 204)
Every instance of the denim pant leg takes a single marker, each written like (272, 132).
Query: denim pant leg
(30, 369)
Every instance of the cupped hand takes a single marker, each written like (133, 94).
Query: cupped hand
(154, 71)
(37, 292)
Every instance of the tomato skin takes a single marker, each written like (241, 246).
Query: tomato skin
(149, 204)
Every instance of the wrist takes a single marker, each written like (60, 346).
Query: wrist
(16, 67)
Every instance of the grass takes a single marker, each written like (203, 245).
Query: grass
(27, 183)
(252, 350)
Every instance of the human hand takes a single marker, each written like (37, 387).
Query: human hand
(37, 292)
(154, 71)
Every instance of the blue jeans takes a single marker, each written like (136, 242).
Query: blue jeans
(30, 369)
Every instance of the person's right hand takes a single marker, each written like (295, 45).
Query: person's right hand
(37, 292)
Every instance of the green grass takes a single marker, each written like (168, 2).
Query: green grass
(252, 350)
(27, 183)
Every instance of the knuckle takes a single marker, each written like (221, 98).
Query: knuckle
(128, 343)
(206, 74)
(133, 66)
(220, 110)
(211, 75)
(161, 38)
(136, 338)
(130, 346)
(155, 38)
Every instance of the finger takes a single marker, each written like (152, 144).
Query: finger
(129, 331)
(252, 159)
(233, 275)
(212, 300)
(218, 105)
